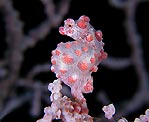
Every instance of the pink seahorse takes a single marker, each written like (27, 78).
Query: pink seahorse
(73, 62)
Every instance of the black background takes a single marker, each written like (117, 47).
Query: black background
(120, 85)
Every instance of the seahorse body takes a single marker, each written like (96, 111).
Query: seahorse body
(73, 62)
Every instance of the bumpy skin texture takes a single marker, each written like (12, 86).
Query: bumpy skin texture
(73, 62)
(63, 108)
